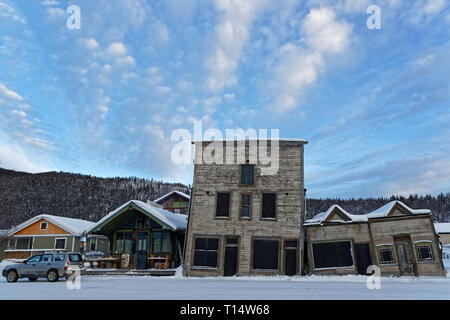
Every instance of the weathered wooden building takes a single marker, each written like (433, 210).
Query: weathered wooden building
(443, 230)
(175, 201)
(396, 238)
(44, 233)
(143, 236)
(242, 221)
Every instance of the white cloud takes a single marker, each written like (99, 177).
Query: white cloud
(8, 12)
(9, 94)
(49, 3)
(233, 32)
(55, 13)
(18, 113)
(299, 67)
(127, 61)
(91, 44)
(425, 60)
(434, 6)
(116, 49)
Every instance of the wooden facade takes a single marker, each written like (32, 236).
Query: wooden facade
(243, 222)
(400, 242)
(175, 201)
(142, 236)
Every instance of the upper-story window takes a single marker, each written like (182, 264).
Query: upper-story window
(247, 174)
(268, 206)
(223, 204)
(43, 225)
(245, 206)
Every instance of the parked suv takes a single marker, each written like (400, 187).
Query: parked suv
(51, 265)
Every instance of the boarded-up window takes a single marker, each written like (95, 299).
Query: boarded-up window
(268, 205)
(245, 206)
(332, 254)
(206, 252)
(386, 255)
(223, 205)
(424, 252)
(247, 174)
(265, 254)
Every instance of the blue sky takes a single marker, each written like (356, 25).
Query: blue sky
(104, 99)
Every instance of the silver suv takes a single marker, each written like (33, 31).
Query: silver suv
(51, 265)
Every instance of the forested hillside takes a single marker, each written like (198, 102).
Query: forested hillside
(24, 195)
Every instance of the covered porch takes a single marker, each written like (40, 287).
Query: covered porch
(142, 236)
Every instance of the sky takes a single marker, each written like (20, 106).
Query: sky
(104, 99)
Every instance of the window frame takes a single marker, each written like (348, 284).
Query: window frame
(229, 205)
(241, 176)
(207, 237)
(427, 244)
(262, 206)
(161, 242)
(65, 243)
(250, 211)
(352, 249)
(259, 270)
(380, 259)
(43, 223)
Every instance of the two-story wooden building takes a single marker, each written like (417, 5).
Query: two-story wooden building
(241, 220)
(397, 239)
(175, 201)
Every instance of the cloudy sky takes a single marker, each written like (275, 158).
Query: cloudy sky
(105, 99)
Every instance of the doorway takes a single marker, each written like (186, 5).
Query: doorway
(231, 256)
(290, 257)
(141, 252)
(405, 256)
(363, 258)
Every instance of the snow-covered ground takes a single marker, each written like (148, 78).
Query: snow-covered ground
(253, 288)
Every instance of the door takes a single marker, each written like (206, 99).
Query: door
(29, 268)
(405, 256)
(363, 258)
(141, 252)
(231, 257)
(44, 265)
(290, 257)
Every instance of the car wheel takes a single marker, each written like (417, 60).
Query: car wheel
(52, 276)
(12, 276)
(32, 279)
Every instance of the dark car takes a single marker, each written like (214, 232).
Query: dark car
(51, 265)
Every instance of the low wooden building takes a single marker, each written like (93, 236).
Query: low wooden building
(397, 239)
(443, 230)
(175, 201)
(143, 236)
(44, 233)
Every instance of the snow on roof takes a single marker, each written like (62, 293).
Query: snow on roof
(182, 194)
(73, 226)
(442, 227)
(384, 210)
(175, 221)
(380, 212)
(321, 217)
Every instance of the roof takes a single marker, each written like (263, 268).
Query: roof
(378, 213)
(73, 226)
(3, 232)
(442, 227)
(181, 194)
(281, 140)
(174, 221)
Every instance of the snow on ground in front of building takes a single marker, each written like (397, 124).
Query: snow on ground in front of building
(248, 288)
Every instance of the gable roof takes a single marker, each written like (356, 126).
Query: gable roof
(383, 211)
(181, 194)
(173, 221)
(73, 226)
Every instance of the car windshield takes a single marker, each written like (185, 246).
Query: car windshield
(35, 258)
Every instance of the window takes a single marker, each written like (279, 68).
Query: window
(245, 206)
(92, 244)
(161, 242)
(424, 252)
(386, 255)
(60, 243)
(34, 259)
(223, 205)
(24, 243)
(268, 205)
(332, 254)
(47, 258)
(206, 252)
(12, 243)
(247, 174)
(43, 225)
(124, 242)
(59, 257)
(74, 257)
(265, 254)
